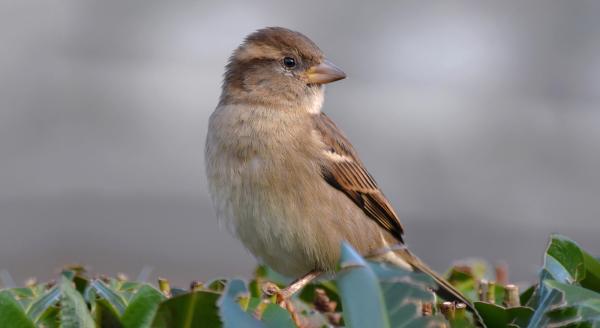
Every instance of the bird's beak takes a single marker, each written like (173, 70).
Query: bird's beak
(325, 72)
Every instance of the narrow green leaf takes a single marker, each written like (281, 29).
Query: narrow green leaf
(74, 311)
(362, 298)
(104, 291)
(50, 318)
(106, 316)
(142, 307)
(38, 307)
(12, 314)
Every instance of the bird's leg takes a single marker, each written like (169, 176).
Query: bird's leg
(270, 289)
(297, 284)
(282, 295)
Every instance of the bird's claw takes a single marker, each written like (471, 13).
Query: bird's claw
(282, 296)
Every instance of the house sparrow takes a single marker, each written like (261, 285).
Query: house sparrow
(283, 175)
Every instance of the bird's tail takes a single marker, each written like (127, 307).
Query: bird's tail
(444, 288)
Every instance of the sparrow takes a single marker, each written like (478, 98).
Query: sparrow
(284, 177)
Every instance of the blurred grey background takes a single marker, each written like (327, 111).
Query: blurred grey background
(480, 121)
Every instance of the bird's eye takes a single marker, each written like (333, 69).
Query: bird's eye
(289, 62)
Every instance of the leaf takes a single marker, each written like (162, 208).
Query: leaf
(275, 316)
(497, 316)
(113, 298)
(74, 312)
(106, 316)
(568, 256)
(547, 299)
(230, 312)
(12, 314)
(526, 295)
(197, 309)
(50, 318)
(142, 307)
(217, 285)
(22, 292)
(592, 272)
(80, 282)
(403, 301)
(362, 298)
(520, 315)
(565, 253)
(430, 322)
(572, 293)
(562, 316)
(38, 307)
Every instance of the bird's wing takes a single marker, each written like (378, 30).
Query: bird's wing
(343, 170)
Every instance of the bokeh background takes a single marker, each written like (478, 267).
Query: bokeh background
(480, 121)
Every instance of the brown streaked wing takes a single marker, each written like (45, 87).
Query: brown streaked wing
(345, 172)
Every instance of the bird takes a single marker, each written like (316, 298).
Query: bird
(285, 178)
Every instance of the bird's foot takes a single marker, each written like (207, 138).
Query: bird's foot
(282, 298)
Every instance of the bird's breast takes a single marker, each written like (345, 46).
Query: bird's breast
(256, 158)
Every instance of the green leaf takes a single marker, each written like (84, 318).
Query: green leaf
(547, 299)
(520, 315)
(497, 316)
(362, 298)
(592, 272)
(142, 307)
(80, 282)
(433, 321)
(217, 285)
(230, 311)
(198, 309)
(572, 293)
(403, 301)
(568, 263)
(11, 313)
(526, 295)
(104, 291)
(22, 292)
(562, 253)
(493, 315)
(275, 316)
(106, 316)
(562, 315)
(74, 312)
(38, 307)
(50, 318)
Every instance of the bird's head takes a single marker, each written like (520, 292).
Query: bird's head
(275, 66)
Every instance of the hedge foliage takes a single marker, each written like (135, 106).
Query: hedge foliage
(360, 294)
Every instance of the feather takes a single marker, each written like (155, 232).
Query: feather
(343, 170)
